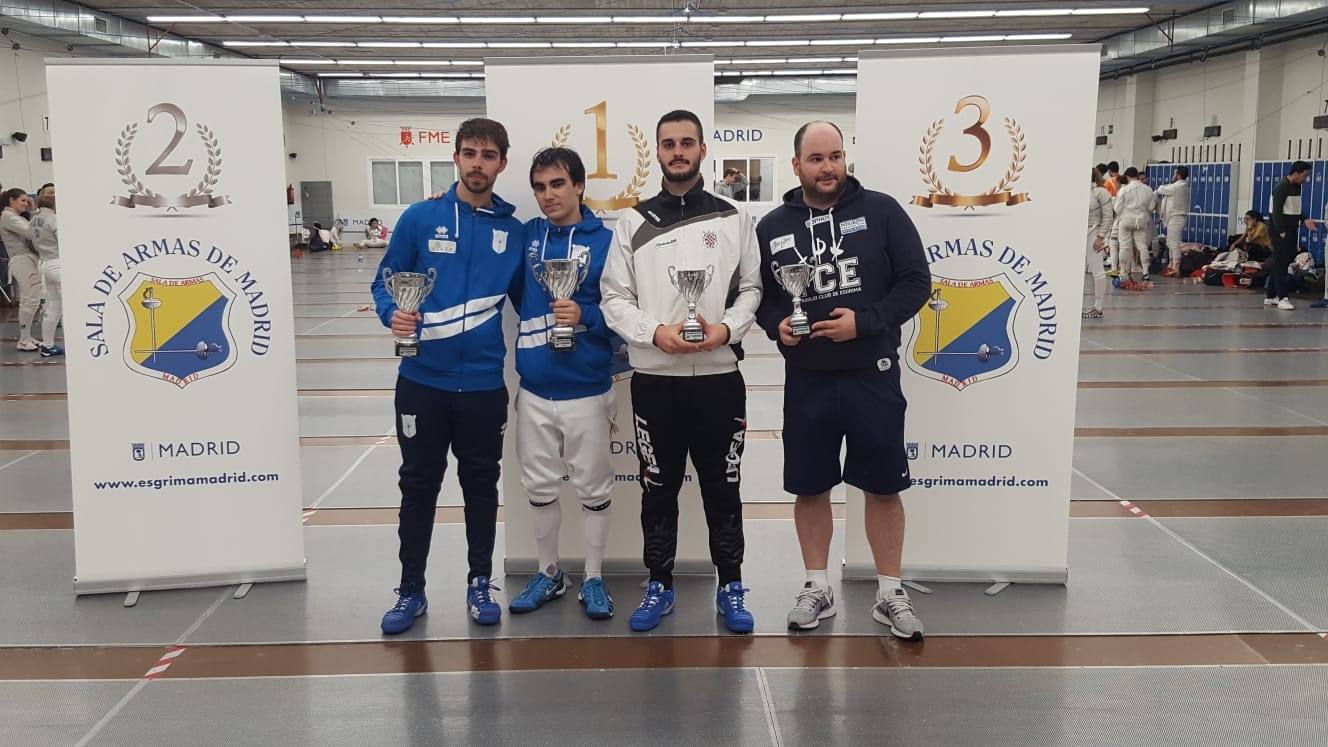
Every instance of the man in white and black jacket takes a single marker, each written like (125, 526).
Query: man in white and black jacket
(688, 398)
(869, 276)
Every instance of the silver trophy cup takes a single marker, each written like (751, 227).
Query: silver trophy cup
(795, 278)
(408, 289)
(561, 278)
(691, 284)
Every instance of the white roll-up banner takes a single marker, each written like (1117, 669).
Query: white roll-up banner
(604, 108)
(986, 149)
(184, 439)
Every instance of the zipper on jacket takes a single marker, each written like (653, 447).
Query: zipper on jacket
(465, 299)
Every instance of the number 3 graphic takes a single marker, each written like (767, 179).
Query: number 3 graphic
(983, 137)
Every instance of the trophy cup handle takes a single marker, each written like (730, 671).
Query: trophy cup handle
(433, 280)
(582, 270)
(387, 276)
(710, 273)
(673, 278)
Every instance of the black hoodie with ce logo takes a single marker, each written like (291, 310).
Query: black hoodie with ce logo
(866, 256)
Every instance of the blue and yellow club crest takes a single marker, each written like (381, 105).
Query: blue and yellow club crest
(179, 328)
(965, 332)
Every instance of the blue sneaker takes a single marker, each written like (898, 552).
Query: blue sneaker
(657, 603)
(729, 603)
(52, 351)
(541, 589)
(479, 598)
(403, 613)
(1322, 303)
(595, 596)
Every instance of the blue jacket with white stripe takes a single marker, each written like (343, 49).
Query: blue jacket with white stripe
(584, 370)
(477, 254)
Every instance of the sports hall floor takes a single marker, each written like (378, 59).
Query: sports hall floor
(1197, 620)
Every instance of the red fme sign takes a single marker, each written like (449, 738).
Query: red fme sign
(411, 136)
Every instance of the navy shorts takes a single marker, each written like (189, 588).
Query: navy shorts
(823, 409)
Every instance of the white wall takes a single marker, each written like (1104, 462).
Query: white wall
(338, 146)
(1303, 92)
(1188, 97)
(22, 109)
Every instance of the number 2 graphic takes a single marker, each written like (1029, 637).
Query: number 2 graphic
(181, 124)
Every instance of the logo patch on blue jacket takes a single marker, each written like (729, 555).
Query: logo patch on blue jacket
(499, 241)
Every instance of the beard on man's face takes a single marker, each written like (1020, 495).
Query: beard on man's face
(687, 175)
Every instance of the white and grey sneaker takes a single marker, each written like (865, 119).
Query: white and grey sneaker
(814, 604)
(28, 345)
(895, 609)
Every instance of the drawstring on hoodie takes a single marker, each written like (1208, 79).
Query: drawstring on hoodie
(545, 246)
(811, 229)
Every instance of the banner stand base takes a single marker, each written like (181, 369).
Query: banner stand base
(867, 572)
(196, 581)
(613, 566)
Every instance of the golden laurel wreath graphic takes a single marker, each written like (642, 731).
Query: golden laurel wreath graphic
(997, 195)
(631, 194)
(141, 196)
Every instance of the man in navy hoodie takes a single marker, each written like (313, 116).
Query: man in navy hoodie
(565, 407)
(452, 394)
(869, 276)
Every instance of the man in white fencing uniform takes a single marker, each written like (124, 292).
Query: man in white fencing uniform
(1175, 209)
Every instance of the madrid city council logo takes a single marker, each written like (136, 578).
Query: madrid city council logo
(629, 195)
(965, 332)
(179, 328)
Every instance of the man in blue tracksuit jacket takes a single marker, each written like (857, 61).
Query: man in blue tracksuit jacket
(565, 408)
(452, 394)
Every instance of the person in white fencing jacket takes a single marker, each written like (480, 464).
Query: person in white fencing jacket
(688, 397)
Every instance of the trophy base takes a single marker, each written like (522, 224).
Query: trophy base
(692, 332)
(407, 348)
(801, 327)
(562, 338)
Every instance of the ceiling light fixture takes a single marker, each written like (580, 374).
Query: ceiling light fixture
(1033, 13)
(936, 14)
(497, 19)
(728, 19)
(1036, 37)
(438, 20)
(343, 19)
(1108, 11)
(574, 19)
(893, 16)
(650, 19)
(265, 19)
(186, 19)
(840, 42)
(910, 40)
